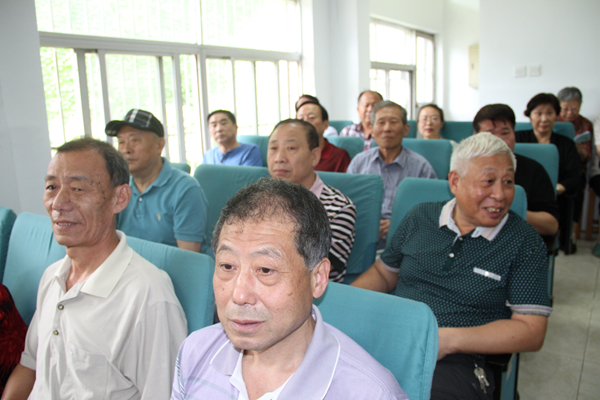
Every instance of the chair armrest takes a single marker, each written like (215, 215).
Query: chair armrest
(499, 361)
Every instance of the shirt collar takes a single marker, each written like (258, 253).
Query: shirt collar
(400, 159)
(326, 150)
(104, 279)
(317, 186)
(162, 178)
(315, 373)
(489, 233)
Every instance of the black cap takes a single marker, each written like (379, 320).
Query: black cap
(137, 118)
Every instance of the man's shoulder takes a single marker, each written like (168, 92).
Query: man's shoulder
(356, 365)
(414, 156)
(201, 346)
(352, 128)
(364, 156)
(330, 193)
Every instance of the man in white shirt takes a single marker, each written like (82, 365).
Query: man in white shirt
(107, 322)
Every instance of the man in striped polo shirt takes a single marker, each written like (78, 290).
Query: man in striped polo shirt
(293, 154)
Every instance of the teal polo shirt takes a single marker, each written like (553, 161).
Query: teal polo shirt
(473, 279)
(172, 207)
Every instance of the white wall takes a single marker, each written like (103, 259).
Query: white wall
(560, 36)
(24, 142)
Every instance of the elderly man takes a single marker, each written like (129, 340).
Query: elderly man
(167, 205)
(333, 158)
(271, 245)
(293, 154)
(222, 127)
(542, 209)
(364, 129)
(107, 323)
(330, 130)
(480, 267)
(390, 159)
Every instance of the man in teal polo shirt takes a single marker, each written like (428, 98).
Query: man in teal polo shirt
(167, 205)
(480, 268)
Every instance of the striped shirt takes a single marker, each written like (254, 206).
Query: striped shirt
(356, 130)
(342, 216)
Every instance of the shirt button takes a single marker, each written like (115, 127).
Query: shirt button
(60, 306)
(451, 255)
(460, 238)
(140, 199)
(55, 333)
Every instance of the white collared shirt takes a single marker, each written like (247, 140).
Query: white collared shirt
(487, 232)
(113, 336)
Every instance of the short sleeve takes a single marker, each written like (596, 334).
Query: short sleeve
(254, 158)
(189, 217)
(342, 240)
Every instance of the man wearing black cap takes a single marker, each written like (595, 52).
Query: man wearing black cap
(167, 205)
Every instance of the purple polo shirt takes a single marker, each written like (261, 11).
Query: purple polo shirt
(334, 368)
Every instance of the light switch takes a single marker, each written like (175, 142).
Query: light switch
(520, 72)
(535, 70)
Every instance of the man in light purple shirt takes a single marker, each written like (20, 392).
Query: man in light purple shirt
(271, 245)
(364, 129)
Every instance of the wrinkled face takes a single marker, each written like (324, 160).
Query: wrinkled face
(140, 148)
(430, 123)
(311, 113)
(221, 129)
(79, 198)
(485, 193)
(389, 130)
(365, 106)
(501, 129)
(543, 118)
(569, 110)
(263, 290)
(289, 157)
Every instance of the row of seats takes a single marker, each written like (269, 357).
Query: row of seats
(373, 320)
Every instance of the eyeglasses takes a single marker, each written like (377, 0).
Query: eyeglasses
(432, 119)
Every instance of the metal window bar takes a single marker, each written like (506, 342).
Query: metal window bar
(83, 93)
(163, 102)
(179, 108)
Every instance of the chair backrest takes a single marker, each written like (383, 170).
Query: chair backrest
(7, 220)
(366, 192)
(32, 249)
(401, 334)
(220, 183)
(413, 191)
(412, 133)
(339, 124)
(562, 128)
(437, 152)
(185, 167)
(545, 154)
(261, 141)
(452, 130)
(353, 145)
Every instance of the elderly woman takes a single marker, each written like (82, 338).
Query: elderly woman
(570, 103)
(543, 110)
(430, 121)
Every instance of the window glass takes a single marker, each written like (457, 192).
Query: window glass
(170, 21)
(400, 89)
(171, 119)
(245, 97)
(194, 148)
(220, 84)
(253, 24)
(63, 101)
(267, 102)
(378, 83)
(94, 86)
(392, 43)
(425, 70)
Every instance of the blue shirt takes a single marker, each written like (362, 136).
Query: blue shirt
(408, 163)
(334, 368)
(245, 154)
(172, 207)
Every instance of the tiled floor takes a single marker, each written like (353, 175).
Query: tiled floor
(568, 366)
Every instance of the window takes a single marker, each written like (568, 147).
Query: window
(178, 59)
(402, 64)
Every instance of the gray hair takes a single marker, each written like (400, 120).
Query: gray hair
(481, 145)
(273, 198)
(570, 93)
(115, 164)
(388, 103)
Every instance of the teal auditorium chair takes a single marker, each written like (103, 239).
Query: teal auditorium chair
(437, 152)
(353, 145)
(401, 334)
(413, 191)
(185, 167)
(452, 130)
(221, 182)
(32, 249)
(339, 124)
(261, 141)
(547, 155)
(563, 128)
(7, 220)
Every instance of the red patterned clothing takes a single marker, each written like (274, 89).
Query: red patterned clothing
(12, 336)
(582, 124)
(333, 158)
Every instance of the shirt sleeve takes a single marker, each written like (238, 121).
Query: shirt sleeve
(29, 355)
(342, 240)
(189, 217)
(254, 158)
(345, 130)
(344, 162)
(427, 171)
(569, 166)
(155, 343)
(542, 196)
